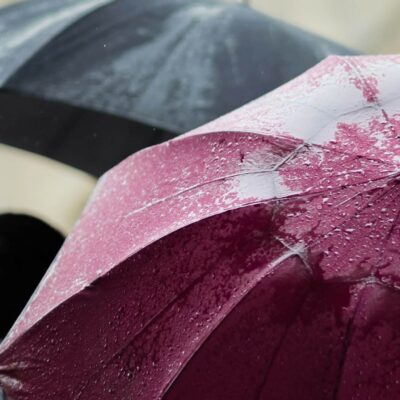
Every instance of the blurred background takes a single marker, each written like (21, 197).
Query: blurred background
(369, 26)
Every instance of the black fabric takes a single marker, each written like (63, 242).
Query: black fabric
(27, 247)
(172, 64)
(88, 140)
(152, 69)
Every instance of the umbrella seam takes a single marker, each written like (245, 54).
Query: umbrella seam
(346, 345)
(228, 177)
(241, 206)
(250, 203)
(378, 105)
(149, 323)
(313, 243)
(280, 343)
(274, 265)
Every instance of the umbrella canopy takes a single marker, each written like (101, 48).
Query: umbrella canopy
(170, 65)
(256, 257)
(88, 140)
(27, 247)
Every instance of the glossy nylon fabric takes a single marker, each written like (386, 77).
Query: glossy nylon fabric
(255, 257)
(89, 82)
(170, 64)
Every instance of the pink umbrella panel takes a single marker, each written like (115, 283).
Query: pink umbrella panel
(256, 257)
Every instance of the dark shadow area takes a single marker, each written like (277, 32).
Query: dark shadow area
(27, 247)
(89, 140)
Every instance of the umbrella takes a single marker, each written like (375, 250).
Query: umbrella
(255, 257)
(164, 67)
(27, 247)
(88, 140)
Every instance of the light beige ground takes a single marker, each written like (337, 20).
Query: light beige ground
(6, 2)
(38, 186)
(371, 26)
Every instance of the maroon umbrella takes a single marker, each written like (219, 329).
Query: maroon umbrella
(254, 258)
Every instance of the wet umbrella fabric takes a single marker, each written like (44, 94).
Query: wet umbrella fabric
(174, 64)
(255, 257)
(171, 65)
(27, 26)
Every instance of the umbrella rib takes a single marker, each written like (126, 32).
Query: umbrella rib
(336, 118)
(306, 144)
(291, 250)
(307, 141)
(339, 188)
(148, 323)
(263, 274)
(349, 329)
(297, 250)
(310, 143)
(346, 345)
(180, 40)
(318, 241)
(394, 223)
(91, 36)
(290, 156)
(226, 177)
(369, 280)
(320, 192)
(188, 189)
(345, 153)
(358, 74)
(280, 343)
(364, 192)
(266, 272)
(311, 244)
(378, 105)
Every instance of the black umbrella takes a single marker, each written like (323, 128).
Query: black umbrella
(89, 140)
(162, 66)
(27, 247)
